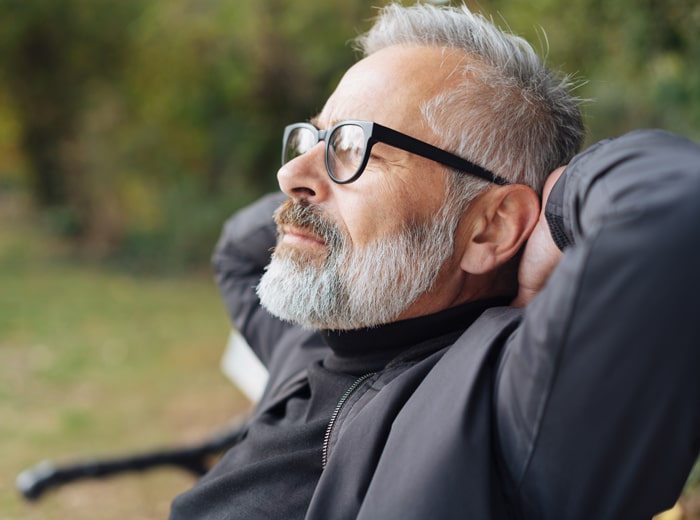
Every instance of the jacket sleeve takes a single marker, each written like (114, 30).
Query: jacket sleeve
(598, 391)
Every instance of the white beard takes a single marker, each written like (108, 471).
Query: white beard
(356, 287)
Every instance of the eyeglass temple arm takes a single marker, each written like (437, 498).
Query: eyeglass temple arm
(413, 145)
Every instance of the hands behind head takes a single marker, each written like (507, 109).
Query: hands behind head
(541, 254)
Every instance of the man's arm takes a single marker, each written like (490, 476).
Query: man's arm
(598, 393)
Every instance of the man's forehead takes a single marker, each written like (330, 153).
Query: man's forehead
(424, 70)
(390, 85)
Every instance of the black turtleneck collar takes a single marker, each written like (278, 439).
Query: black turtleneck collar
(369, 349)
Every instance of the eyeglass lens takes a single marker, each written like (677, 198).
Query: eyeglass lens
(345, 148)
(299, 141)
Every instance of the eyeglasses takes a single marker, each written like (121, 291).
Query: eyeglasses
(349, 143)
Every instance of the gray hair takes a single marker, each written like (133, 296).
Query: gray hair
(510, 113)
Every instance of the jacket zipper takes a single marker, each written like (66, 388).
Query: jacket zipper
(336, 413)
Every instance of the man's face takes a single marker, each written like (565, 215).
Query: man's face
(368, 240)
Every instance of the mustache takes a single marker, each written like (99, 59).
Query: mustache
(308, 217)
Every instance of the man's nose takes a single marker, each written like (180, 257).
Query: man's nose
(305, 177)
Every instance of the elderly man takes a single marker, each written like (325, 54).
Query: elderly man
(419, 365)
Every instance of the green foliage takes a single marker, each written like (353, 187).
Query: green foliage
(144, 125)
(139, 126)
(637, 57)
(51, 56)
(186, 237)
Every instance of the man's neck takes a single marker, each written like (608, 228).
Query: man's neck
(369, 349)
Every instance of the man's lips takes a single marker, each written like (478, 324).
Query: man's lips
(299, 236)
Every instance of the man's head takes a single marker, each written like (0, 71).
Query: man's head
(411, 236)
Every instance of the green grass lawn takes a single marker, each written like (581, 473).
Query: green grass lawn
(94, 362)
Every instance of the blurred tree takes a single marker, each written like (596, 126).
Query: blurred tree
(211, 85)
(51, 54)
(236, 73)
(638, 57)
(131, 112)
(143, 124)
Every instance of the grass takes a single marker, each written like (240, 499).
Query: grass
(95, 362)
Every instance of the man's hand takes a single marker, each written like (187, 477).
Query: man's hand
(541, 254)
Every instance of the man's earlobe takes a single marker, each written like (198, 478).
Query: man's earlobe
(504, 219)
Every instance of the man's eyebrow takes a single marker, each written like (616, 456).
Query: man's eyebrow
(315, 121)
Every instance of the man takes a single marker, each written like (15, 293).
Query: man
(419, 365)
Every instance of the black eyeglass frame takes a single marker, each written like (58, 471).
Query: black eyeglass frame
(376, 133)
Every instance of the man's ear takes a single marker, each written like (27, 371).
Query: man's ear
(502, 219)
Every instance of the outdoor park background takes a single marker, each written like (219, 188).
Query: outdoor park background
(130, 130)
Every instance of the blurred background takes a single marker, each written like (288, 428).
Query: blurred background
(130, 130)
